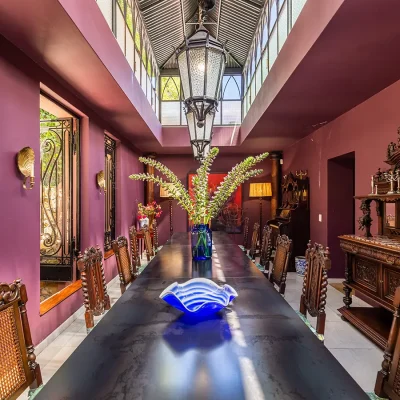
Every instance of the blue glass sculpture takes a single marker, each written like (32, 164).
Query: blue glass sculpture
(198, 296)
(201, 242)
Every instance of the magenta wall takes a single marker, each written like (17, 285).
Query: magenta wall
(182, 165)
(366, 129)
(20, 84)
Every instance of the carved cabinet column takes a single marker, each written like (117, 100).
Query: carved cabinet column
(149, 189)
(276, 176)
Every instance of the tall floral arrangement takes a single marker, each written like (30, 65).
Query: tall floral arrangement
(200, 207)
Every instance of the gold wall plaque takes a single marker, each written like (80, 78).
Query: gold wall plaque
(26, 165)
(101, 182)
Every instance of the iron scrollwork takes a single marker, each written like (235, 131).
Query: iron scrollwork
(109, 176)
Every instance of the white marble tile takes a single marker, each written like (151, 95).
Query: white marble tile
(361, 364)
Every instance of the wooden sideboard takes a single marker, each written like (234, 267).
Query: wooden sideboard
(373, 270)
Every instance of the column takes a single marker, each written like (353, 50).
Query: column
(149, 192)
(276, 175)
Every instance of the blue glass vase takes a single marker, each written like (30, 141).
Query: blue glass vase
(201, 242)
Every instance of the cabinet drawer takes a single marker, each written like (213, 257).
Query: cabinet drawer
(391, 280)
(366, 273)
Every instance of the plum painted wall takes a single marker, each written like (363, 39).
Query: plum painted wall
(367, 130)
(20, 84)
(182, 165)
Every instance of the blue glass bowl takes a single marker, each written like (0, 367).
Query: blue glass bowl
(198, 296)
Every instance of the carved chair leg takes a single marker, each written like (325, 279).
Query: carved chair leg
(282, 288)
(38, 379)
(89, 320)
(122, 287)
(321, 322)
(303, 308)
(380, 381)
(107, 303)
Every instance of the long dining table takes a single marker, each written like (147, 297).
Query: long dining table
(257, 348)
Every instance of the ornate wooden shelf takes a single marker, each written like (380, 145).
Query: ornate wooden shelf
(373, 262)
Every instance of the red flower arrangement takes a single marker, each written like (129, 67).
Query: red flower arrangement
(150, 210)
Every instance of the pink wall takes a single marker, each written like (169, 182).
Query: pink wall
(20, 84)
(366, 129)
(184, 164)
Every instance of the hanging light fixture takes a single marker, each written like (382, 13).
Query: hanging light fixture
(201, 62)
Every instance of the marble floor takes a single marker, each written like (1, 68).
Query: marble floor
(358, 355)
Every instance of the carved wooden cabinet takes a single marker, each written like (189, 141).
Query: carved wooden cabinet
(373, 271)
(373, 263)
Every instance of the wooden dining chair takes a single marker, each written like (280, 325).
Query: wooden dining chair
(387, 383)
(281, 262)
(134, 245)
(96, 299)
(126, 270)
(254, 240)
(18, 367)
(315, 283)
(266, 249)
(245, 234)
(148, 244)
(156, 247)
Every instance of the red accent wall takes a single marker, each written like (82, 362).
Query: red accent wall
(20, 84)
(182, 165)
(366, 129)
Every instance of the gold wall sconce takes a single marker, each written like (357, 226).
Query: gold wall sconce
(101, 181)
(26, 165)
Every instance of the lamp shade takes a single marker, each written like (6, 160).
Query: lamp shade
(260, 190)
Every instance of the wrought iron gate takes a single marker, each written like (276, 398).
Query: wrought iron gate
(59, 198)
(109, 176)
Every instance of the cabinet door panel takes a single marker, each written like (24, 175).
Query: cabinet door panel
(391, 280)
(366, 273)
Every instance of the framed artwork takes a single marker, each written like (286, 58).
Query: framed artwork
(230, 217)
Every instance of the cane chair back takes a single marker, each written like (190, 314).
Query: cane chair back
(18, 367)
(245, 234)
(134, 245)
(388, 380)
(96, 299)
(155, 236)
(281, 262)
(254, 240)
(124, 263)
(148, 243)
(315, 283)
(266, 248)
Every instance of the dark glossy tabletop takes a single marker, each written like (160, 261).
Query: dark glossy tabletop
(258, 348)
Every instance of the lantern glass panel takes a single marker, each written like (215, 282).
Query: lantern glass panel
(215, 70)
(197, 58)
(183, 70)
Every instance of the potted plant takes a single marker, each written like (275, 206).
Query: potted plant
(147, 213)
(200, 207)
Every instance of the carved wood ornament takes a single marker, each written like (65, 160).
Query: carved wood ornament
(281, 262)
(133, 241)
(254, 240)
(266, 247)
(96, 299)
(124, 263)
(246, 234)
(19, 367)
(315, 283)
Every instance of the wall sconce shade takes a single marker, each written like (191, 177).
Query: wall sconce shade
(101, 181)
(260, 189)
(26, 165)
